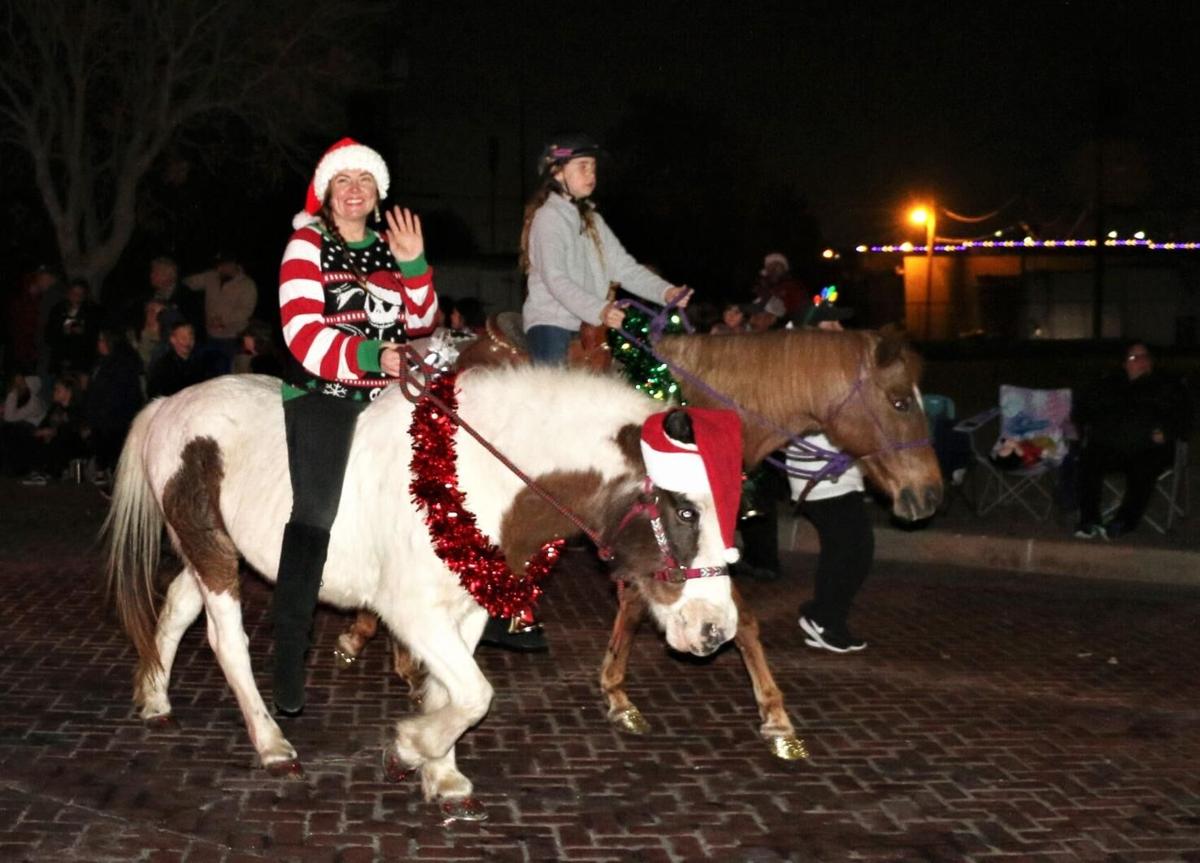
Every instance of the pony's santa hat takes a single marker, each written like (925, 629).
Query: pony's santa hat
(711, 465)
(347, 154)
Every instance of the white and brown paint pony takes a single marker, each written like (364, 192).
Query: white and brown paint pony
(859, 388)
(210, 463)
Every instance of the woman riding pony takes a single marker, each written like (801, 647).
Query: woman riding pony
(347, 297)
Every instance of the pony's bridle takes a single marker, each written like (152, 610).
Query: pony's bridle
(671, 571)
(834, 462)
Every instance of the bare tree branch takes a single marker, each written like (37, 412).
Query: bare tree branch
(95, 92)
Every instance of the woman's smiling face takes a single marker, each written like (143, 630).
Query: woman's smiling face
(352, 195)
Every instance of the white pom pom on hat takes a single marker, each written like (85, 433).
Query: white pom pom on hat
(712, 465)
(345, 155)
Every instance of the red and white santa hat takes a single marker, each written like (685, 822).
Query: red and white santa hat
(711, 465)
(345, 155)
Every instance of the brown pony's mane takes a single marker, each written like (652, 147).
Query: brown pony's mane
(771, 373)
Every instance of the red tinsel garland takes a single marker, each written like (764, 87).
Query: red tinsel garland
(480, 564)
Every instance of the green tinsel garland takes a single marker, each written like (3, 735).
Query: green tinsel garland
(647, 374)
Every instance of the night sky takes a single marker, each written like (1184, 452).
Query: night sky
(734, 128)
(980, 104)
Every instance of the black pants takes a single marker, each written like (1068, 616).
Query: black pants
(847, 541)
(320, 430)
(1141, 470)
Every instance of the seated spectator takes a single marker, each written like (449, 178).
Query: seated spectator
(23, 410)
(733, 320)
(1129, 424)
(178, 367)
(60, 437)
(467, 316)
(112, 400)
(259, 354)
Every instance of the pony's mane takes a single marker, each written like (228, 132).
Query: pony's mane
(761, 365)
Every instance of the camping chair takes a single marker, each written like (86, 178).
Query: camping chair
(1169, 499)
(1021, 467)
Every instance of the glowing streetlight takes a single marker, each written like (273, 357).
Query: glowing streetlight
(926, 214)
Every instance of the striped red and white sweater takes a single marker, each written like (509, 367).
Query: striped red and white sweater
(333, 325)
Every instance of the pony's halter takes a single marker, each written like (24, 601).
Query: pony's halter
(671, 571)
(835, 462)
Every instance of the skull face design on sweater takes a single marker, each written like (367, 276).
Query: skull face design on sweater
(379, 297)
(340, 302)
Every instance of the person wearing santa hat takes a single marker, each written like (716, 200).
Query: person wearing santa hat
(348, 296)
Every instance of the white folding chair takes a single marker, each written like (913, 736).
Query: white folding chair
(1021, 414)
(1170, 499)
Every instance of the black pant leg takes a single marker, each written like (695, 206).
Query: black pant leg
(847, 541)
(1141, 473)
(1092, 465)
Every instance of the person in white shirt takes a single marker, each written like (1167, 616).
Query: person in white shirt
(836, 508)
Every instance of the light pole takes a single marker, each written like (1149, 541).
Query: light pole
(927, 215)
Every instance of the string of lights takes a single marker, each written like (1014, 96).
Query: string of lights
(1027, 243)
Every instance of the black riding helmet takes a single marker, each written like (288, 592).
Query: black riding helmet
(563, 148)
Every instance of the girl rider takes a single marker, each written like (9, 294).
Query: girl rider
(572, 257)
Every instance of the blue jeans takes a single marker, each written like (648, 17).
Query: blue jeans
(548, 345)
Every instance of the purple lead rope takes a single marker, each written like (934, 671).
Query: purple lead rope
(836, 462)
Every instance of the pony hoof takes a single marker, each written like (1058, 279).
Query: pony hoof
(463, 809)
(789, 748)
(631, 720)
(290, 769)
(395, 770)
(163, 722)
(343, 658)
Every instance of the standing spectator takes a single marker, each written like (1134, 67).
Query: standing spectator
(24, 409)
(836, 508)
(229, 300)
(775, 279)
(59, 438)
(147, 337)
(25, 314)
(347, 296)
(1130, 423)
(71, 331)
(571, 256)
(178, 367)
(113, 398)
(163, 288)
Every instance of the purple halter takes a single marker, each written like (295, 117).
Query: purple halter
(836, 462)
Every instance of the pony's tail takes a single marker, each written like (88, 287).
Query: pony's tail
(132, 535)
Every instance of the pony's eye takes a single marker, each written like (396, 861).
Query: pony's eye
(686, 513)
(902, 404)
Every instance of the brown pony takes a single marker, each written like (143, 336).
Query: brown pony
(858, 387)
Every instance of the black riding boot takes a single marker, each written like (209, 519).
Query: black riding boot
(300, 565)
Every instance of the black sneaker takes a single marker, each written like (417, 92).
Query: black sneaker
(838, 639)
(514, 634)
(1091, 531)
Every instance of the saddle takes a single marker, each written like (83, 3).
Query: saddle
(503, 343)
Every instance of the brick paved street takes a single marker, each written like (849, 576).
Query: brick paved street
(993, 717)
